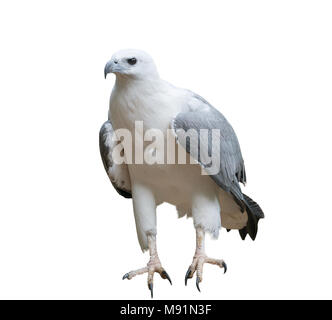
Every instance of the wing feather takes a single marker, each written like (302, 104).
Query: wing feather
(118, 174)
(204, 116)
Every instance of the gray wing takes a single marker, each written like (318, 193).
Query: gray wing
(118, 174)
(201, 115)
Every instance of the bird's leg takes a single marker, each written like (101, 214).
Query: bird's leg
(200, 258)
(154, 265)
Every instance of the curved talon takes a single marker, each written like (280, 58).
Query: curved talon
(188, 273)
(150, 285)
(197, 265)
(197, 284)
(165, 275)
(225, 266)
(126, 276)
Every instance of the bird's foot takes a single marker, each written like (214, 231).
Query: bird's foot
(153, 266)
(197, 266)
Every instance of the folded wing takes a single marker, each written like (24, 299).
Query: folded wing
(187, 126)
(202, 116)
(118, 173)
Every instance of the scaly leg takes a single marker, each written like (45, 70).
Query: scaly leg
(154, 265)
(200, 258)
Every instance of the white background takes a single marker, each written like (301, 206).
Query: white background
(64, 231)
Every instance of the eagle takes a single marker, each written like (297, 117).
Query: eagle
(206, 186)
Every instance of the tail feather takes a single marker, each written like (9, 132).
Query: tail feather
(254, 214)
(243, 233)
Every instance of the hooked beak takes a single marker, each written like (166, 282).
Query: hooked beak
(112, 66)
(108, 68)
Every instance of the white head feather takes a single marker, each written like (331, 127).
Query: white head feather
(132, 63)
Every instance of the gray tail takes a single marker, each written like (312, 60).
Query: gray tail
(255, 213)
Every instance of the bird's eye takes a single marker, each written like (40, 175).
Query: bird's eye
(132, 61)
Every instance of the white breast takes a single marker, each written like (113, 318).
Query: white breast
(175, 183)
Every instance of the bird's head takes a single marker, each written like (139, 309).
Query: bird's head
(131, 63)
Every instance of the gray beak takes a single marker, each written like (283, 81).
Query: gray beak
(108, 68)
